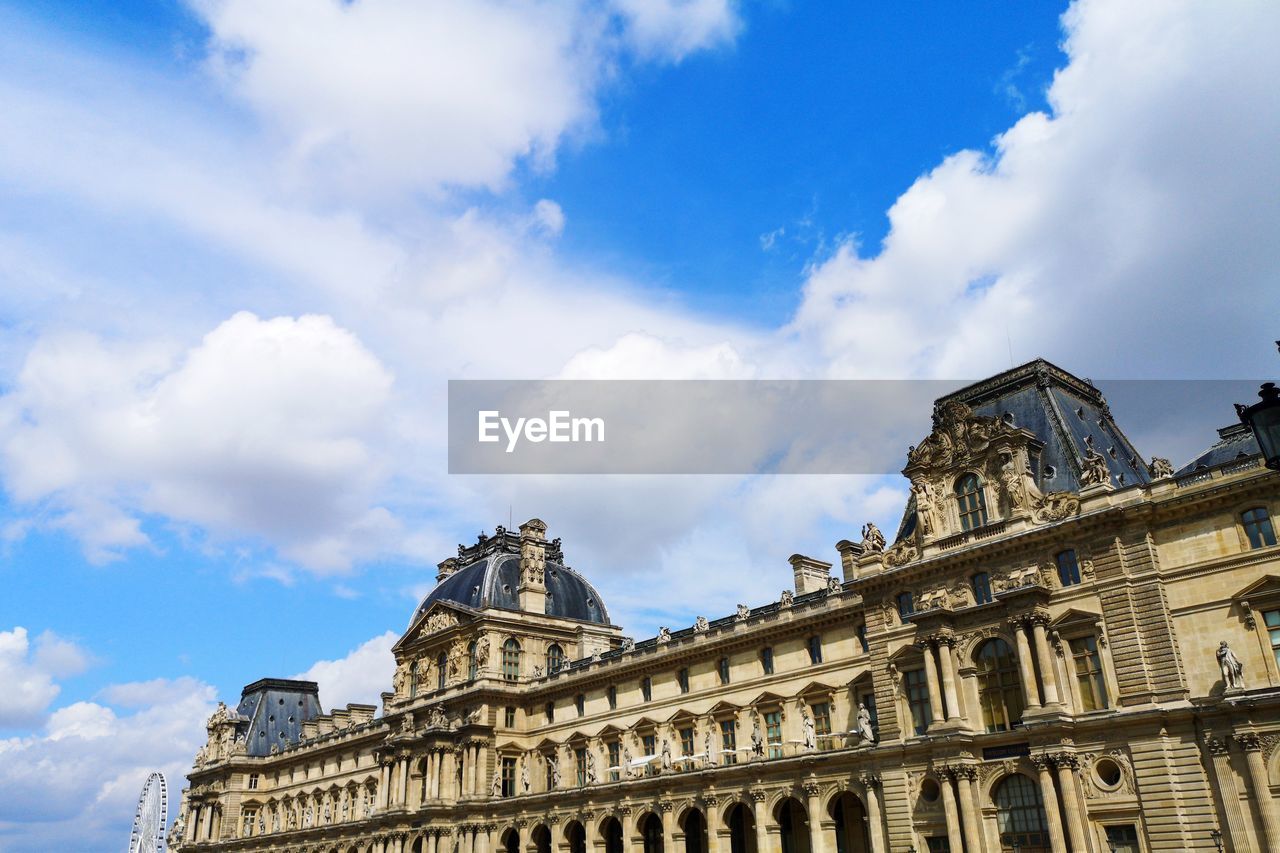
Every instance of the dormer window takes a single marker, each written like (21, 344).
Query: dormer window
(972, 503)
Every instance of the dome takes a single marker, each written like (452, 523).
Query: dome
(492, 582)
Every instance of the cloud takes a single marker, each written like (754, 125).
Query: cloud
(673, 29)
(265, 429)
(29, 688)
(360, 677)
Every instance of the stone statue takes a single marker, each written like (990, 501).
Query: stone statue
(496, 785)
(628, 644)
(757, 738)
(482, 652)
(554, 764)
(537, 671)
(701, 625)
(275, 821)
(1160, 468)
(666, 755)
(834, 587)
(864, 724)
(744, 613)
(400, 679)
(438, 720)
(787, 598)
(872, 539)
(664, 635)
(924, 507)
(524, 775)
(626, 760)
(328, 814)
(1232, 668)
(809, 736)
(1011, 482)
(262, 823)
(307, 816)
(178, 833)
(592, 777)
(710, 748)
(1094, 469)
(346, 806)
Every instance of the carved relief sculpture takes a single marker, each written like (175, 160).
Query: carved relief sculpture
(1232, 668)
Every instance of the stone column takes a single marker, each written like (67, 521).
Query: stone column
(1050, 796)
(668, 826)
(474, 781)
(1048, 675)
(947, 659)
(1225, 778)
(955, 838)
(384, 782)
(817, 842)
(468, 845)
(966, 779)
(931, 679)
(482, 839)
(624, 818)
(712, 814)
(874, 821)
(402, 792)
(429, 777)
(761, 812)
(433, 842)
(1252, 746)
(1066, 763)
(1024, 665)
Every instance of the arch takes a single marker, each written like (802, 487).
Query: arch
(999, 685)
(511, 659)
(575, 834)
(793, 825)
(509, 840)
(741, 821)
(650, 826)
(417, 846)
(849, 813)
(611, 832)
(971, 501)
(1020, 816)
(555, 658)
(693, 823)
(540, 839)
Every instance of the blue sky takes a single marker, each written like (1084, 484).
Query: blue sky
(243, 247)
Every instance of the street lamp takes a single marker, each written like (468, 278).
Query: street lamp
(1216, 835)
(1263, 418)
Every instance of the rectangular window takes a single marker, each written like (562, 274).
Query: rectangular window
(981, 583)
(861, 631)
(869, 700)
(253, 781)
(612, 693)
(650, 742)
(1123, 839)
(686, 741)
(547, 761)
(1257, 526)
(729, 741)
(646, 688)
(580, 702)
(723, 668)
(615, 761)
(509, 717)
(550, 710)
(682, 678)
(822, 725)
(815, 649)
(508, 776)
(905, 605)
(766, 660)
(1272, 620)
(773, 732)
(1068, 568)
(938, 844)
(918, 699)
(1093, 684)
(580, 762)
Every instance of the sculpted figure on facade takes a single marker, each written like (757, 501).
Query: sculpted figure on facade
(701, 625)
(1160, 468)
(524, 774)
(709, 750)
(757, 738)
(864, 724)
(666, 755)
(743, 613)
(1094, 470)
(809, 735)
(440, 620)
(592, 777)
(553, 765)
(1232, 668)
(664, 634)
(788, 597)
(925, 507)
(1013, 487)
(872, 539)
(482, 651)
(495, 787)
(834, 587)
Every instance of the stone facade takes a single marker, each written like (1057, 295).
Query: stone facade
(1034, 662)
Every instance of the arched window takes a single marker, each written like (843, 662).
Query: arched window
(511, 660)
(413, 679)
(651, 831)
(1020, 815)
(999, 686)
(973, 505)
(473, 668)
(981, 585)
(555, 658)
(442, 671)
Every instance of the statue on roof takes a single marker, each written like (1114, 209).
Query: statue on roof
(1094, 470)
(873, 540)
(1160, 468)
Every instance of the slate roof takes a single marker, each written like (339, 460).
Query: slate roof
(492, 582)
(1234, 442)
(276, 708)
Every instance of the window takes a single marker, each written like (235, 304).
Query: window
(1020, 815)
(815, 649)
(550, 710)
(555, 658)
(511, 660)
(580, 702)
(1123, 839)
(938, 844)
(253, 781)
(473, 668)
(999, 686)
(773, 732)
(1257, 526)
(1272, 620)
(861, 632)
(766, 660)
(917, 690)
(650, 743)
(1093, 684)
(413, 679)
(612, 694)
(646, 688)
(729, 741)
(972, 503)
(509, 716)
(869, 700)
(580, 763)
(981, 585)
(508, 776)
(682, 678)
(615, 760)
(1068, 568)
(822, 724)
(686, 741)
(905, 605)
(722, 667)
(442, 671)
(549, 759)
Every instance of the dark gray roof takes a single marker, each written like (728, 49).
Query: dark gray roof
(276, 708)
(1234, 442)
(492, 582)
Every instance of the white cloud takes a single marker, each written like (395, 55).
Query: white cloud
(357, 678)
(265, 429)
(29, 688)
(672, 29)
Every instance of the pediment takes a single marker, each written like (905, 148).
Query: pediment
(610, 731)
(816, 688)
(1263, 587)
(645, 723)
(767, 698)
(723, 707)
(680, 715)
(508, 746)
(438, 618)
(1075, 617)
(547, 745)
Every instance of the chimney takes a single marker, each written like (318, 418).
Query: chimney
(446, 568)
(849, 554)
(811, 574)
(533, 565)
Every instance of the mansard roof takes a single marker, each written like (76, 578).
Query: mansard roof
(276, 708)
(1234, 442)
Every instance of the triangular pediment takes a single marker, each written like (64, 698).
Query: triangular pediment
(441, 616)
(682, 714)
(767, 698)
(723, 707)
(547, 744)
(1261, 588)
(816, 688)
(609, 731)
(1076, 617)
(645, 723)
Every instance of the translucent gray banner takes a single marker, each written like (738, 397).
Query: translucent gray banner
(767, 426)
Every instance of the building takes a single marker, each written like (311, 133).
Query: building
(1064, 647)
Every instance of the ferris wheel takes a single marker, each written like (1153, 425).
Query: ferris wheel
(150, 818)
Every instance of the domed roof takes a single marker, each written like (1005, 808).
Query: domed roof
(493, 580)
